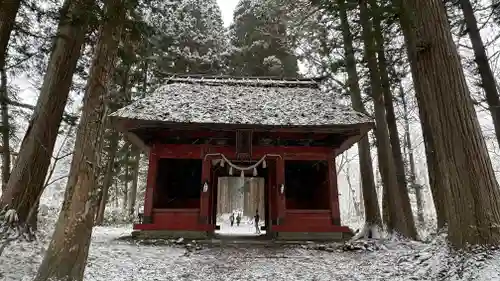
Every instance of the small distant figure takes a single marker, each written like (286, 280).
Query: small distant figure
(231, 219)
(256, 219)
(238, 219)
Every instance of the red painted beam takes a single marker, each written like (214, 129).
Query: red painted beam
(299, 228)
(199, 227)
(197, 151)
(175, 219)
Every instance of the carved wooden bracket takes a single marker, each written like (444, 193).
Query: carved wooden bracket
(244, 144)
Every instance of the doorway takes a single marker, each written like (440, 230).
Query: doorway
(240, 197)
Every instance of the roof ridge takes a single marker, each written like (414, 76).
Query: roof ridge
(275, 78)
(250, 81)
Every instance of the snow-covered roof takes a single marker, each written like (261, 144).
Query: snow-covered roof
(242, 101)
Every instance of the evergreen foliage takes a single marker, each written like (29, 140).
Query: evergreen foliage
(260, 43)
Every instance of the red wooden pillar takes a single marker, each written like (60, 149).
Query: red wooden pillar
(280, 197)
(150, 185)
(271, 193)
(205, 194)
(333, 189)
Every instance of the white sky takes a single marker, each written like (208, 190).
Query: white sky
(227, 8)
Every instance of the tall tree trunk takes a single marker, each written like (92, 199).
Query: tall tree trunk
(385, 206)
(473, 197)
(400, 220)
(483, 65)
(439, 189)
(28, 176)
(372, 210)
(108, 177)
(6, 156)
(126, 182)
(411, 160)
(390, 114)
(136, 154)
(8, 12)
(67, 254)
(116, 200)
(114, 140)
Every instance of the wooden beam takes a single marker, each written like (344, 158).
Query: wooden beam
(121, 126)
(353, 139)
(198, 151)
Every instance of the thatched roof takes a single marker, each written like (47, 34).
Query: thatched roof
(249, 101)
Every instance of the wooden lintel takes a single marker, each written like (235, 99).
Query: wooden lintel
(197, 151)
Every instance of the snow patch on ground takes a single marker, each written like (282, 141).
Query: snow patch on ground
(115, 260)
(247, 229)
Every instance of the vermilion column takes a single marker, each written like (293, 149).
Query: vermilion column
(280, 198)
(271, 193)
(205, 195)
(150, 185)
(333, 189)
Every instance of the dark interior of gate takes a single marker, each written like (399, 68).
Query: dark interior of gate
(307, 185)
(178, 184)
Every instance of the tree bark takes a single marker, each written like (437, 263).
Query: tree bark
(439, 190)
(401, 222)
(108, 177)
(28, 176)
(390, 115)
(8, 12)
(473, 195)
(6, 156)
(67, 254)
(487, 78)
(372, 210)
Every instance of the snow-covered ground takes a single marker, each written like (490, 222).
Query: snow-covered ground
(115, 260)
(246, 228)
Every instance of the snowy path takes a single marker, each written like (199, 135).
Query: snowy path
(112, 260)
(230, 263)
(244, 229)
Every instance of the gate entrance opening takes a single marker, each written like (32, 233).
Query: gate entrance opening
(238, 201)
(242, 198)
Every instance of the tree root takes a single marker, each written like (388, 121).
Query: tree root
(11, 230)
(369, 231)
